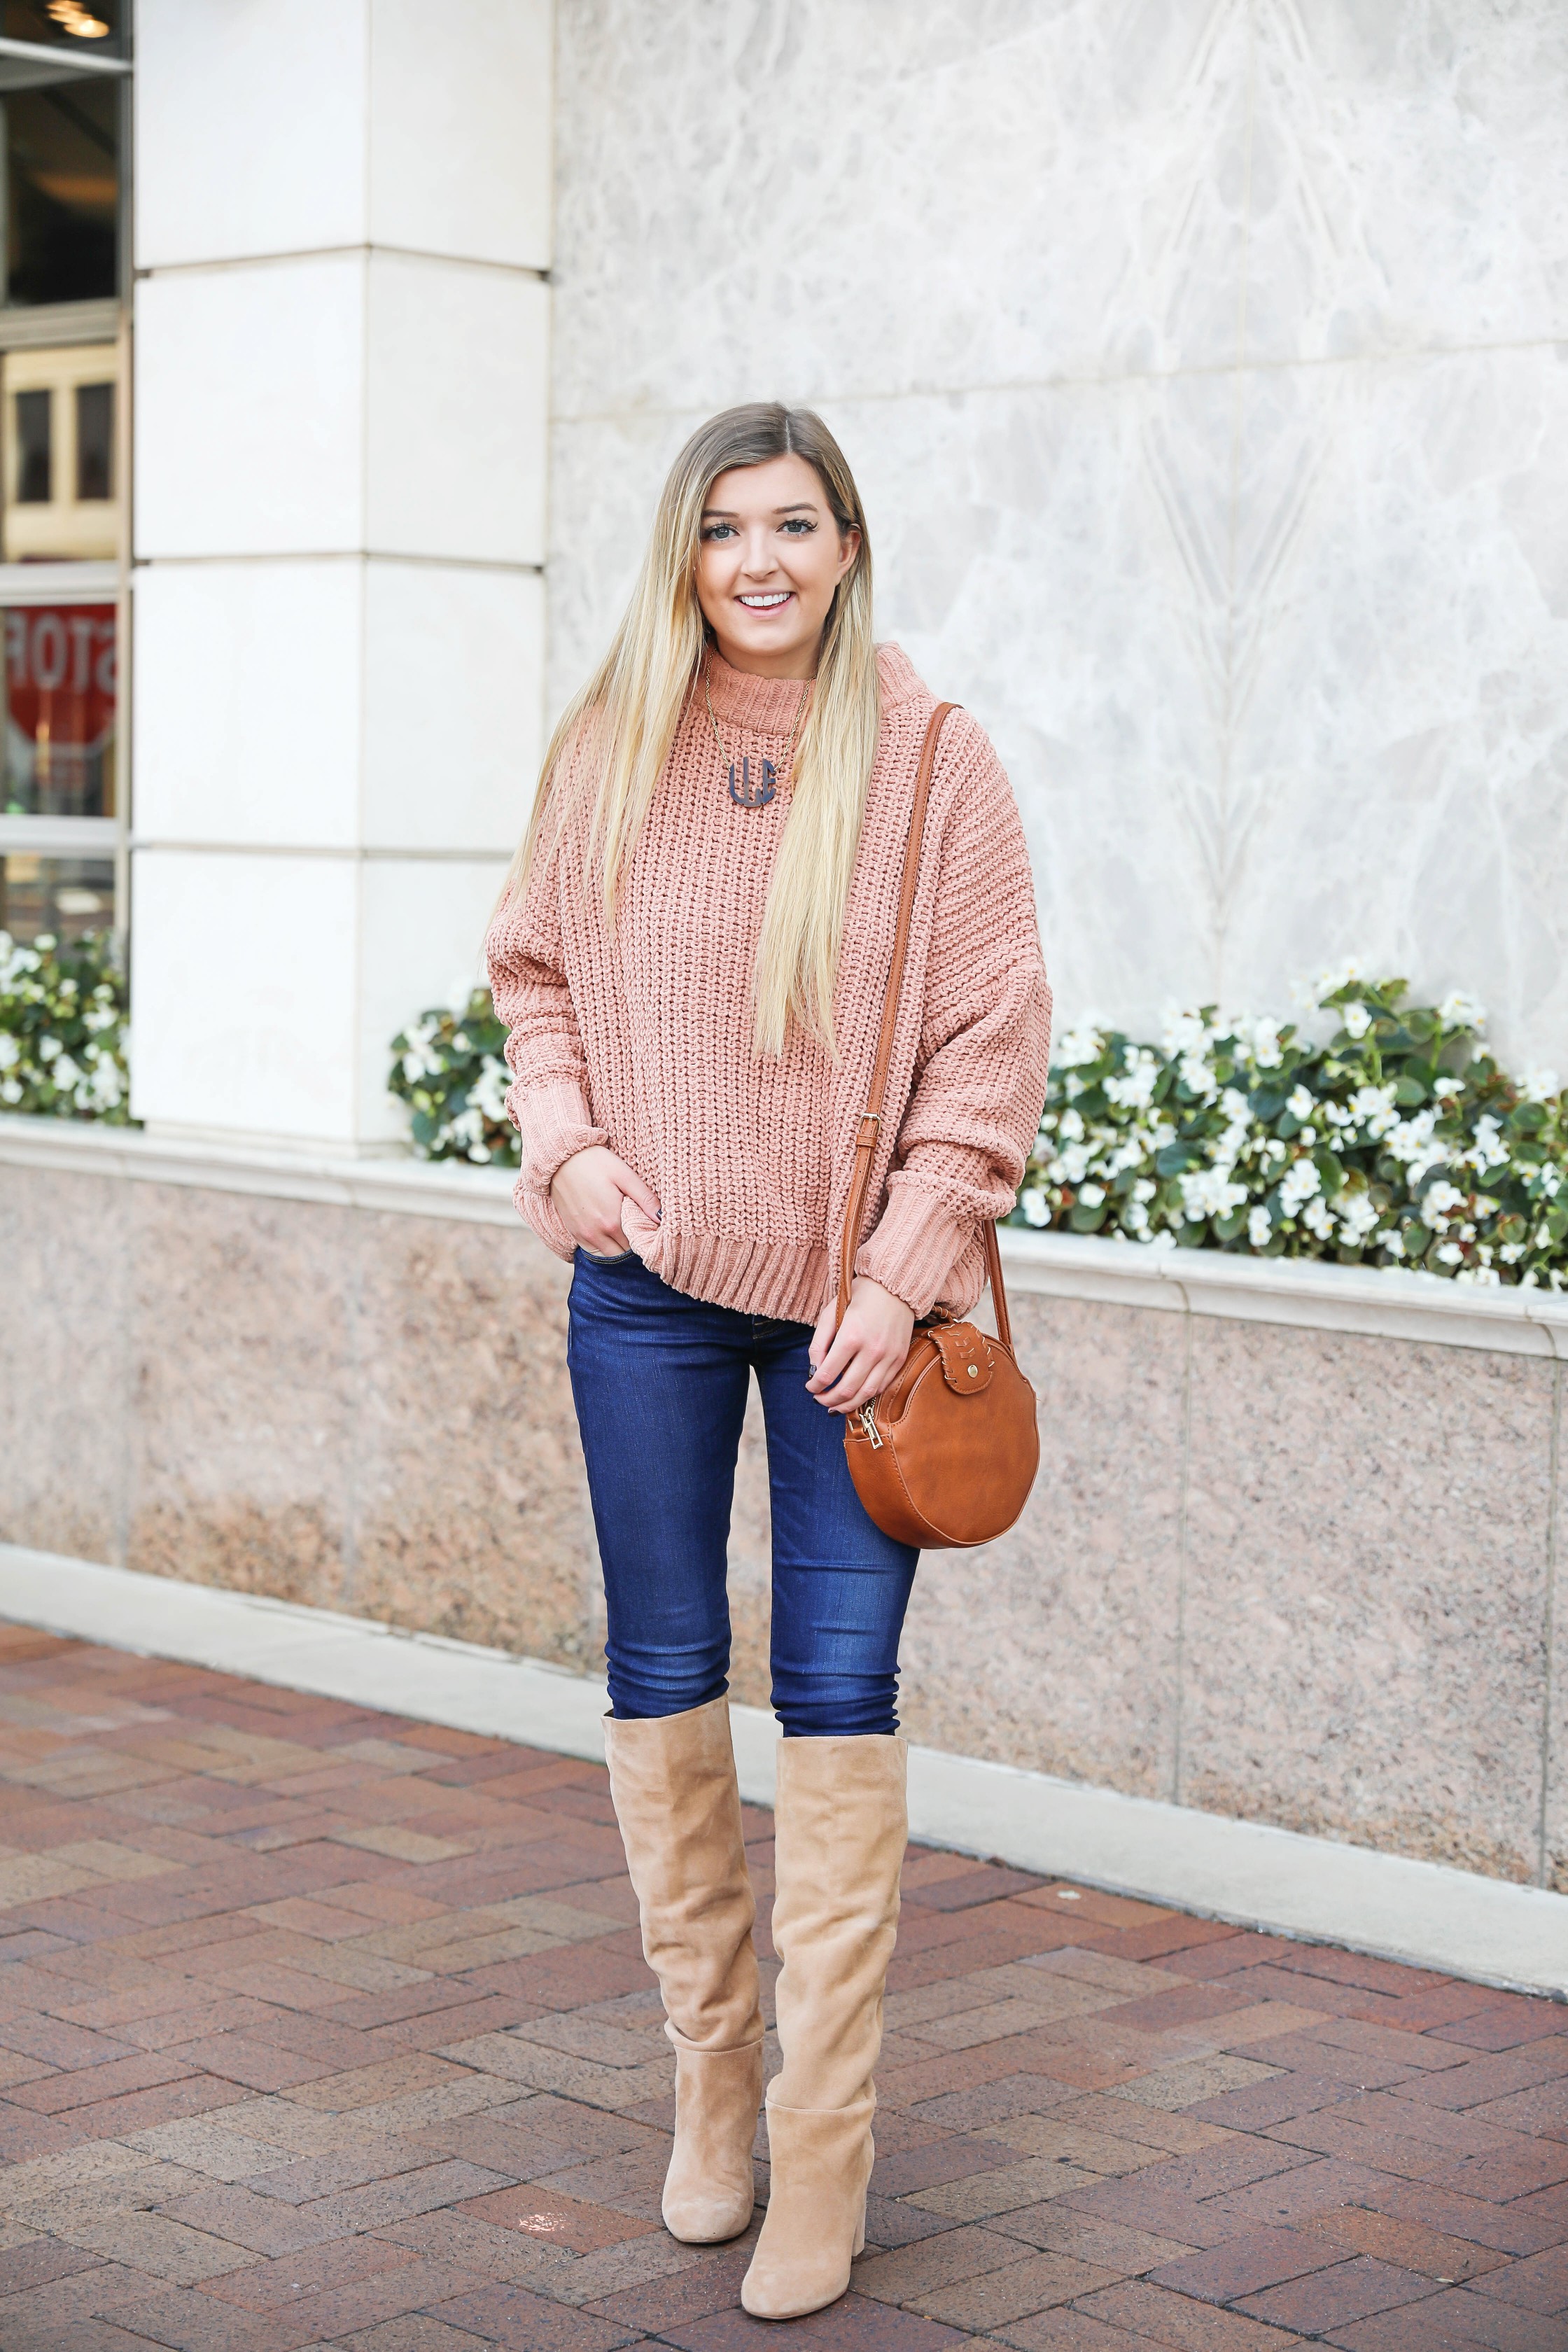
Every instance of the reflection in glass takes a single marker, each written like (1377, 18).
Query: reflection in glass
(59, 711)
(66, 896)
(94, 441)
(58, 473)
(62, 192)
(93, 27)
(35, 448)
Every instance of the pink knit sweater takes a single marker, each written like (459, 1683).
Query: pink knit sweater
(641, 1038)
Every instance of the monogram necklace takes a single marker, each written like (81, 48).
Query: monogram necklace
(743, 791)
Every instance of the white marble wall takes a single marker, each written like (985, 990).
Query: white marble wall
(1205, 363)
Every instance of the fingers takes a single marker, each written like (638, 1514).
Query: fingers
(822, 1338)
(854, 1369)
(632, 1185)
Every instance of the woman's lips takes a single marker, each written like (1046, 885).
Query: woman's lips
(774, 603)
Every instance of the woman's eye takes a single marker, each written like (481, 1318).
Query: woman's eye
(799, 525)
(718, 531)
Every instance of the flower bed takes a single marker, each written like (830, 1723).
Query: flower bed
(1390, 1139)
(63, 1028)
(1376, 1133)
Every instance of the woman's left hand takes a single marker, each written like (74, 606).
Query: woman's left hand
(868, 1351)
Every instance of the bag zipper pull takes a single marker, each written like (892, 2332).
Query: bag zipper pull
(867, 1418)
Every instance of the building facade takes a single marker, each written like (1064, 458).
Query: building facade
(1203, 365)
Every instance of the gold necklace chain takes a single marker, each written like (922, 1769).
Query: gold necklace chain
(768, 788)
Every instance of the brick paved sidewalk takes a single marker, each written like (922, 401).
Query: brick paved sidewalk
(320, 2027)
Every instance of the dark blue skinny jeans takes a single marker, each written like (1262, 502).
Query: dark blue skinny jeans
(660, 1383)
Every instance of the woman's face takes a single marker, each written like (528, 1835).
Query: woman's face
(769, 556)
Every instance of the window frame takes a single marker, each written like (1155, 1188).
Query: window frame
(53, 325)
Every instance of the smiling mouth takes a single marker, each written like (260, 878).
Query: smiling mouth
(769, 603)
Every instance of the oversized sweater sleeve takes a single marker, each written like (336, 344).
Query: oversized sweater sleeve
(548, 1099)
(980, 1071)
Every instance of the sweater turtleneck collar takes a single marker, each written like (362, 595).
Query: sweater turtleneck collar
(768, 706)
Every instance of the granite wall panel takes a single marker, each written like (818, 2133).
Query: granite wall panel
(243, 1380)
(63, 1390)
(1055, 1647)
(1368, 1553)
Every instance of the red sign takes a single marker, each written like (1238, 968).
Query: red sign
(60, 679)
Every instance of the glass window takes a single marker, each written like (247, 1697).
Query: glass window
(66, 896)
(60, 710)
(62, 192)
(94, 441)
(58, 412)
(95, 27)
(34, 447)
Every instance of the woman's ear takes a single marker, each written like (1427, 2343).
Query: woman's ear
(849, 549)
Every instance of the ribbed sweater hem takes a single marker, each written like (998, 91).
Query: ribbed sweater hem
(784, 1280)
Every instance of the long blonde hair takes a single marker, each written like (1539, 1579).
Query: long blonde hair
(619, 728)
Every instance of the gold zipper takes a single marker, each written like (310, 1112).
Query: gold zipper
(869, 1425)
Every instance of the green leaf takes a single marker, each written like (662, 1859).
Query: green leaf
(1172, 1158)
(1330, 1172)
(1411, 1089)
(1088, 1221)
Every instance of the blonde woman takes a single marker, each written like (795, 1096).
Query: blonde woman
(690, 959)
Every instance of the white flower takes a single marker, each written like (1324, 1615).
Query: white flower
(1441, 1202)
(1540, 1086)
(10, 1090)
(1551, 1182)
(1488, 1149)
(1459, 1011)
(1301, 1182)
(1197, 1077)
(63, 1072)
(1186, 1033)
(1317, 1220)
(1450, 1254)
(1394, 1244)
(1446, 1086)
(1258, 1228)
(1301, 1104)
(1415, 1141)
(1083, 1043)
(10, 1052)
(1328, 984)
(1355, 1020)
(1208, 1192)
(1477, 1274)
(1091, 1195)
(48, 1048)
(1263, 1038)
(1072, 1165)
(1357, 1219)
(1134, 1089)
(1069, 1127)
(1035, 1207)
(1511, 1251)
(1235, 1107)
(1135, 1218)
(1374, 1109)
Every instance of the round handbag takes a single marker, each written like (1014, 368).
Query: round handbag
(947, 1454)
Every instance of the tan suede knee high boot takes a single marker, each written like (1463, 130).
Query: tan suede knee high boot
(673, 1781)
(841, 1825)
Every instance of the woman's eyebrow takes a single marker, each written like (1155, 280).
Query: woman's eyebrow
(727, 514)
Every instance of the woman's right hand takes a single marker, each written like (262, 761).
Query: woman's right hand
(588, 1191)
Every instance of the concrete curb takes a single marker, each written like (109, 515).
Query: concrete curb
(1244, 1871)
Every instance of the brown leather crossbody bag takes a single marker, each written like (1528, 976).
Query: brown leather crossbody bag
(946, 1455)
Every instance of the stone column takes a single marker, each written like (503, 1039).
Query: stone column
(342, 225)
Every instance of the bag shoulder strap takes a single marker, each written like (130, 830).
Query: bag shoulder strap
(871, 1117)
